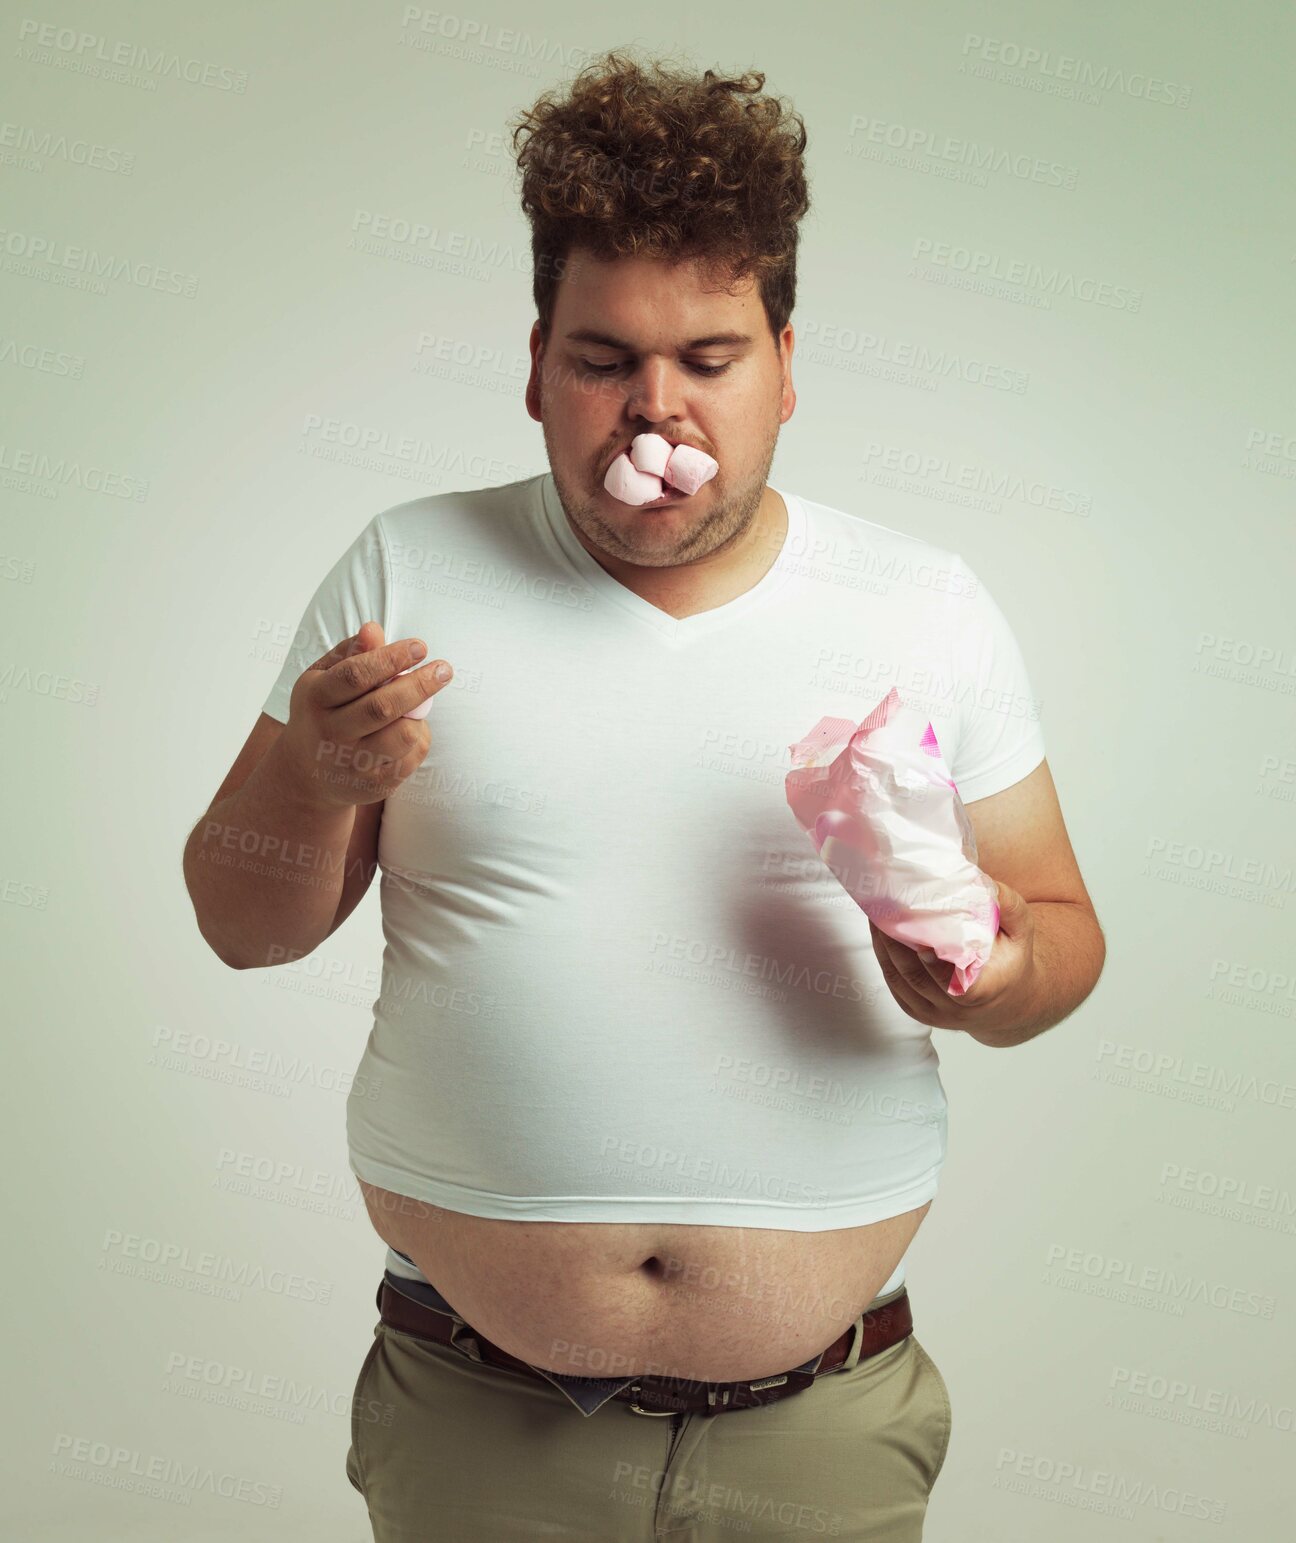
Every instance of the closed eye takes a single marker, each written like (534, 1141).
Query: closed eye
(701, 369)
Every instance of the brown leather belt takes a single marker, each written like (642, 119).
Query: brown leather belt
(660, 1395)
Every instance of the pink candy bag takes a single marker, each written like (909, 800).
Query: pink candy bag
(884, 813)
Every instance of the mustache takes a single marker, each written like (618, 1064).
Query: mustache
(611, 454)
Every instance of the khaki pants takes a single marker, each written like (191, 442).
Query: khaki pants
(446, 1449)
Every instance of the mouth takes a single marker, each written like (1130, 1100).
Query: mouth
(670, 496)
(650, 464)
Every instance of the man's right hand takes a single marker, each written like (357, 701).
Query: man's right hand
(346, 740)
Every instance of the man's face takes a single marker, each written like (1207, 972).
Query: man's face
(626, 356)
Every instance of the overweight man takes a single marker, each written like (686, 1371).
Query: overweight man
(649, 1111)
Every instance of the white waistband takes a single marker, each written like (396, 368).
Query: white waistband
(896, 1280)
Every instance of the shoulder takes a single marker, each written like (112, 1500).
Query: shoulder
(455, 514)
(895, 558)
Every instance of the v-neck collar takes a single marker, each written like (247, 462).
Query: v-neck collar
(671, 628)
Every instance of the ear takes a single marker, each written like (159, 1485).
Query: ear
(532, 397)
(786, 341)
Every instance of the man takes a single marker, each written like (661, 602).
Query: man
(649, 1112)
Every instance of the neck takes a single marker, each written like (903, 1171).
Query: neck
(731, 570)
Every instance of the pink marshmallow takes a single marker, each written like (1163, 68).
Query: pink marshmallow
(688, 468)
(641, 474)
(625, 481)
(424, 707)
(884, 814)
(650, 452)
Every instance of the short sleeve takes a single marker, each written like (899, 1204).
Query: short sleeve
(356, 589)
(1000, 737)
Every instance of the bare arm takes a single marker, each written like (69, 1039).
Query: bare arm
(1022, 841)
(1049, 951)
(1069, 953)
(290, 841)
(267, 873)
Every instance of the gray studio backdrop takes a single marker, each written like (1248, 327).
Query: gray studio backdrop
(263, 273)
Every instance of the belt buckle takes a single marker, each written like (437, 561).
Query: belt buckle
(720, 1397)
(653, 1414)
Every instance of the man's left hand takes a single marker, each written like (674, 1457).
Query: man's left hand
(1002, 997)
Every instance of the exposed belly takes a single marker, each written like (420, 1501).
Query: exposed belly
(597, 1299)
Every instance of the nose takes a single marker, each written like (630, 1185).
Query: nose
(654, 392)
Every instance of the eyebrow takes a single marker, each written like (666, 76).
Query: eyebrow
(606, 340)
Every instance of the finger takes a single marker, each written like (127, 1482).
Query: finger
(338, 651)
(369, 635)
(1012, 911)
(907, 965)
(357, 673)
(918, 966)
(910, 1000)
(405, 695)
(938, 970)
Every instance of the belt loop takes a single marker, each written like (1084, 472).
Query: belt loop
(464, 1340)
(857, 1344)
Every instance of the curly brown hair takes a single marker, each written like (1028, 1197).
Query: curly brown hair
(658, 162)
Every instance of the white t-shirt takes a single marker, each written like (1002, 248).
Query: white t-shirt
(619, 984)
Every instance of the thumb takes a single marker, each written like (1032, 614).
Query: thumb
(1012, 910)
(369, 637)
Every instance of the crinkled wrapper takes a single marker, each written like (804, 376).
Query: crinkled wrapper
(883, 812)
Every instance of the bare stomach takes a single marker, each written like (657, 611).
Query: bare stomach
(595, 1299)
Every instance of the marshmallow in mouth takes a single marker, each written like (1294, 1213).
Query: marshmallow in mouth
(652, 465)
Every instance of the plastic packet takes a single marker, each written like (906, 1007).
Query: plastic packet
(883, 812)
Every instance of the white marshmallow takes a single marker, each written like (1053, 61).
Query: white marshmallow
(652, 464)
(688, 468)
(626, 482)
(650, 452)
